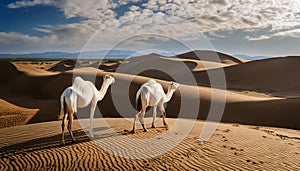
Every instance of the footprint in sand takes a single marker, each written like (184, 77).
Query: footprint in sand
(253, 162)
(249, 161)
(224, 138)
(227, 130)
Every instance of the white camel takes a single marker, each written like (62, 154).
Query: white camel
(151, 94)
(80, 95)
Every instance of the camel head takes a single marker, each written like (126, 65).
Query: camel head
(174, 86)
(108, 79)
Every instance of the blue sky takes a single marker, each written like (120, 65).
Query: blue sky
(270, 28)
(23, 20)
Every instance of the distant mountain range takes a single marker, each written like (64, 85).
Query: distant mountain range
(251, 57)
(104, 53)
(99, 53)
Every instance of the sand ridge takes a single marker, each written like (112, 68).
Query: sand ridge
(232, 146)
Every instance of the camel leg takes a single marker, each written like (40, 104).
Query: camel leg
(63, 123)
(154, 116)
(71, 118)
(134, 122)
(141, 118)
(163, 113)
(93, 107)
(164, 119)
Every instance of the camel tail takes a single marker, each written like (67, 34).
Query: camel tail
(62, 108)
(139, 103)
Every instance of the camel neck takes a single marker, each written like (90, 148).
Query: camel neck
(169, 95)
(103, 91)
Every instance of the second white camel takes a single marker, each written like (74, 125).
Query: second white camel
(151, 94)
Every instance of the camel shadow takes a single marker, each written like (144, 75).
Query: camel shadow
(50, 142)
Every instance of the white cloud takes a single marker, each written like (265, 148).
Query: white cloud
(16, 42)
(290, 33)
(91, 9)
(16, 36)
(263, 37)
(13, 42)
(21, 4)
(280, 34)
(180, 19)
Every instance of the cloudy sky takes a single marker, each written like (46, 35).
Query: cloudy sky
(251, 27)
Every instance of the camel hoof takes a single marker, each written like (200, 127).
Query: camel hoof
(145, 130)
(153, 126)
(91, 135)
(166, 126)
(132, 132)
(73, 141)
(63, 143)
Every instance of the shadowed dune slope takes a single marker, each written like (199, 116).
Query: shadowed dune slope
(8, 72)
(268, 75)
(175, 65)
(63, 66)
(277, 76)
(211, 56)
(156, 66)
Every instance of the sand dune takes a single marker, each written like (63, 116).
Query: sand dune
(211, 56)
(9, 71)
(36, 68)
(195, 61)
(109, 66)
(154, 59)
(261, 93)
(275, 75)
(232, 147)
(242, 108)
(12, 115)
(63, 66)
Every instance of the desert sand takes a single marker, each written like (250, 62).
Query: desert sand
(259, 130)
(232, 147)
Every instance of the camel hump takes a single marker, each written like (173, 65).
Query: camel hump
(78, 80)
(151, 81)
